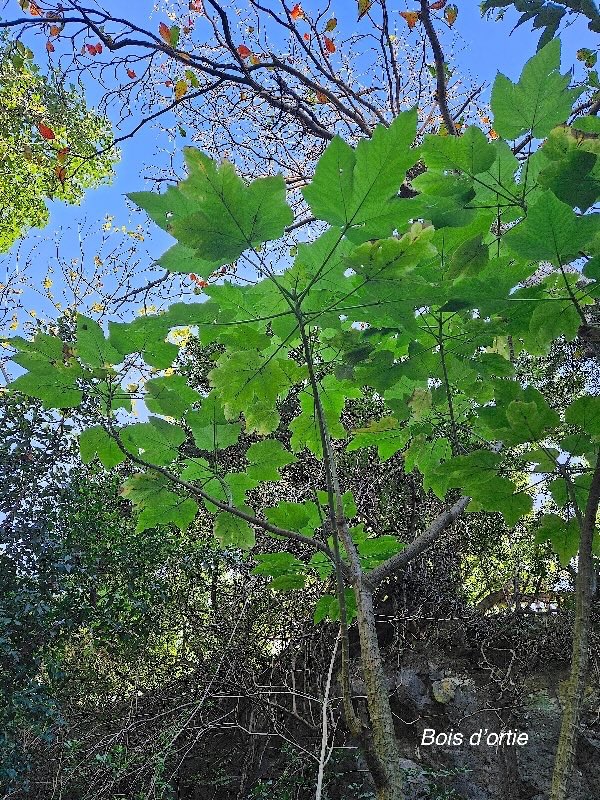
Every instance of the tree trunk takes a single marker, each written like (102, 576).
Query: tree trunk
(565, 753)
(388, 778)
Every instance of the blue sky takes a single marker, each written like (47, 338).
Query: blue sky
(481, 48)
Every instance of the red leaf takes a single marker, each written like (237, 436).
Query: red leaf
(196, 5)
(438, 6)
(35, 10)
(61, 174)
(193, 277)
(49, 47)
(329, 45)
(131, 73)
(297, 12)
(165, 32)
(244, 51)
(98, 48)
(91, 48)
(168, 83)
(306, 37)
(54, 30)
(45, 131)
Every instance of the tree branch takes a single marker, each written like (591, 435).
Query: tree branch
(401, 560)
(440, 72)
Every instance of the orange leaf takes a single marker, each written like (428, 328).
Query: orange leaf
(438, 6)
(35, 10)
(322, 98)
(411, 17)
(45, 131)
(244, 51)
(61, 174)
(296, 12)
(131, 74)
(165, 32)
(54, 30)
(254, 59)
(49, 47)
(193, 277)
(329, 45)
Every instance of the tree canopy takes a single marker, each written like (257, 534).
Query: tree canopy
(435, 270)
(51, 144)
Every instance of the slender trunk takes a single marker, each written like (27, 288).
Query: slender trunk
(379, 745)
(388, 778)
(565, 754)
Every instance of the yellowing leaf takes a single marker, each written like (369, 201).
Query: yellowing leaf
(450, 14)
(181, 88)
(363, 7)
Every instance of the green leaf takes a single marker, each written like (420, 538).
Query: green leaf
(286, 582)
(323, 608)
(305, 429)
(378, 549)
(585, 412)
(249, 383)
(393, 259)
(181, 258)
(266, 458)
(564, 536)
(383, 434)
(209, 427)
(56, 389)
(277, 564)
(155, 441)
(92, 348)
(232, 531)
(97, 442)
(528, 421)
(353, 188)
(164, 209)
(228, 216)
(328, 607)
(170, 396)
(539, 101)
(155, 504)
(469, 258)
(476, 475)
(301, 517)
(552, 232)
(496, 423)
(470, 153)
